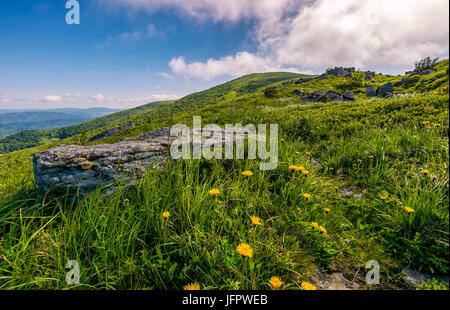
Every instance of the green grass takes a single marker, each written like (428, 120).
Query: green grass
(123, 242)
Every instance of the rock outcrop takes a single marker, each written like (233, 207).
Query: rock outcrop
(79, 169)
(385, 89)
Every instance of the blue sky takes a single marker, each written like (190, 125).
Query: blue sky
(125, 53)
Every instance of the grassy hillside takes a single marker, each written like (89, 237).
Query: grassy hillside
(30, 138)
(393, 152)
(245, 84)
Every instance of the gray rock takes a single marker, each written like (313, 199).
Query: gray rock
(335, 281)
(348, 95)
(341, 71)
(414, 279)
(297, 92)
(303, 80)
(368, 75)
(370, 91)
(352, 191)
(426, 72)
(384, 89)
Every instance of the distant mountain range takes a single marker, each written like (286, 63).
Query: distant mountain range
(14, 121)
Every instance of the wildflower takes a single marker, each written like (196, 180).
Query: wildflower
(315, 225)
(306, 195)
(292, 167)
(282, 140)
(370, 156)
(409, 210)
(192, 287)
(245, 250)
(275, 283)
(359, 161)
(305, 172)
(327, 210)
(308, 153)
(214, 192)
(247, 173)
(331, 169)
(166, 214)
(426, 171)
(425, 122)
(383, 198)
(437, 125)
(256, 220)
(322, 230)
(308, 286)
(299, 168)
(297, 153)
(336, 188)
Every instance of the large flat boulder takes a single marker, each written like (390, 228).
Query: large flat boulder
(79, 169)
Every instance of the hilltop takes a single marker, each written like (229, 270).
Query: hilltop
(362, 176)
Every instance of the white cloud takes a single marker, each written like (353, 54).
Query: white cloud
(133, 101)
(52, 98)
(313, 34)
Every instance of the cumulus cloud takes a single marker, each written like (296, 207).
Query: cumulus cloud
(311, 35)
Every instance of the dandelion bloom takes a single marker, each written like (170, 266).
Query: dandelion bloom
(305, 172)
(306, 195)
(247, 173)
(426, 171)
(322, 230)
(359, 160)
(256, 220)
(245, 250)
(297, 153)
(292, 167)
(437, 125)
(275, 282)
(214, 192)
(282, 140)
(409, 209)
(315, 225)
(192, 287)
(166, 214)
(327, 210)
(331, 168)
(425, 122)
(308, 286)
(370, 156)
(336, 188)
(383, 197)
(299, 168)
(308, 153)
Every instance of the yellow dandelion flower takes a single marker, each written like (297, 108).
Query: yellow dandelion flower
(322, 230)
(426, 171)
(336, 188)
(359, 160)
(409, 210)
(425, 122)
(299, 168)
(245, 250)
(256, 220)
(308, 286)
(292, 167)
(275, 283)
(308, 153)
(214, 192)
(247, 173)
(305, 172)
(166, 214)
(331, 169)
(437, 125)
(306, 195)
(192, 287)
(370, 156)
(282, 140)
(315, 225)
(383, 198)
(327, 210)
(297, 153)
